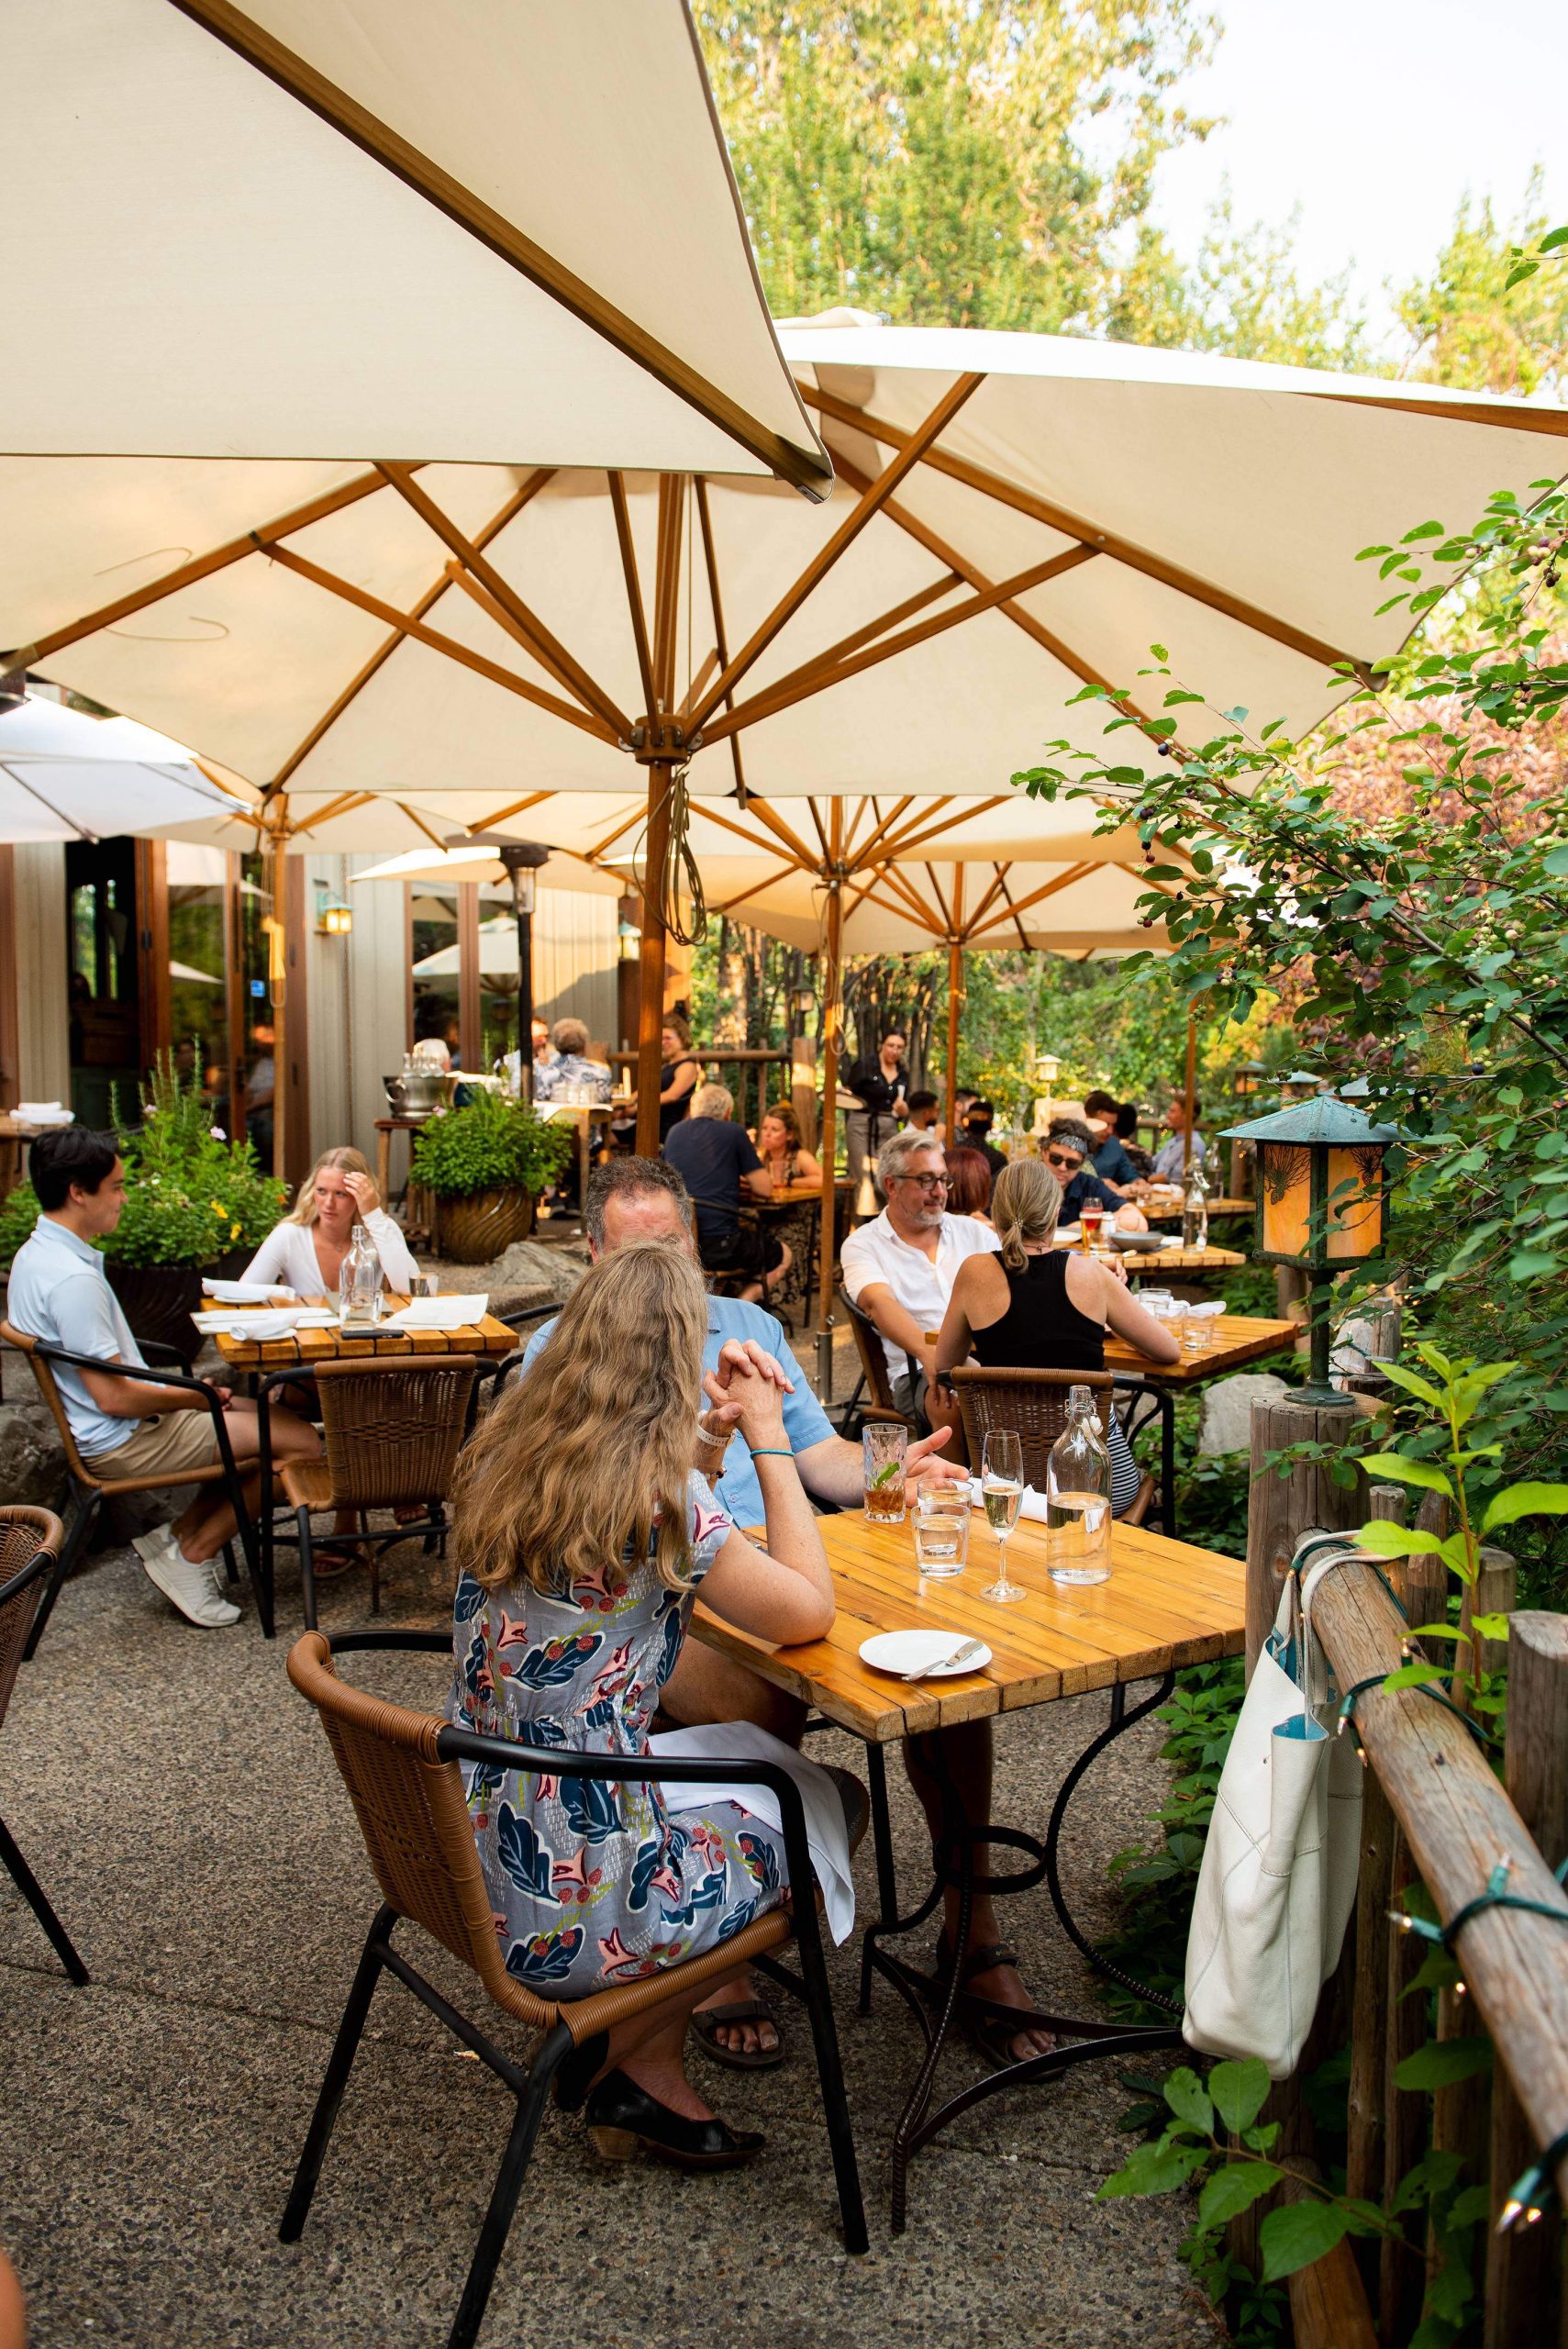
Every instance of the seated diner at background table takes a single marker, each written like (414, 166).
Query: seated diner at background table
(899, 1269)
(584, 1531)
(643, 1198)
(1036, 1307)
(1067, 1151)
(59, 1292)
(718, 1161)
(544, 1055)
(571, 1070)
(925, 1112)
(1110, 1158)
(970, 1179)
(1168, 1158)
(974, 1128)
(307, 1250)
(782, 1150)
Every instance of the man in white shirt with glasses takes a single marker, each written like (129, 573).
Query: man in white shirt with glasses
(899, 1269)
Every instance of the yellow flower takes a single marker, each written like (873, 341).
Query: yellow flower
(234, 1232)
(216, 1205)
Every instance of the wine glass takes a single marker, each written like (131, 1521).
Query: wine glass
(1001, 1490)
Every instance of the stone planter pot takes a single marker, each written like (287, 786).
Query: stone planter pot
(478, 1229)
(158, 1300)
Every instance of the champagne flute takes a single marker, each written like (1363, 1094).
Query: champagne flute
(1001, 1490)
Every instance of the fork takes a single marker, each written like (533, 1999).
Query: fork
(959, 1655)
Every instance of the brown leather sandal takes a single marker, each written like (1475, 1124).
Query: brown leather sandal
(703, 2021)
(989, 2027)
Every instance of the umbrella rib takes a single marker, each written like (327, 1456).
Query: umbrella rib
(202, 566)
(1124, 551)
(986, 901)
(754, 891)
(58, 813)
(1078, 668)
(1002, 872)
(813, 679)
(666, 593)
(927, 916)
(821, 835)
(856, 820)
(633, 588)
(902, 843)
(721, 646)
(489, 227)
(467, 658)
(1049, 889)
(775, 823)
(417, 819)
(432, 596)
(885, 826)
(512, 808)
(937, 890)
(458, 575)
(873, 497)
(822, 668)
(524, 620)
(1522, 419)
(768, 847)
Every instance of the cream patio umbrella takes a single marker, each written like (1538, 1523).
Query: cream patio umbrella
(66, 776)
(266, 243)
(1014, 516)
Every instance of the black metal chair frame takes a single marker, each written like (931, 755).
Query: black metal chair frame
(85, 1500)
(854, 1414)
(530, 2084)
(15, 1864)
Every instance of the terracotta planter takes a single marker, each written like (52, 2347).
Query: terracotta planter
(158, 1300)
(476, 1230)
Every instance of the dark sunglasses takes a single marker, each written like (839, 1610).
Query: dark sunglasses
(1058, 1158)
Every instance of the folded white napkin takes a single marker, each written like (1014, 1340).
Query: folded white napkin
(826, 1833)
(43, 1113)
(247, 1292)
(259, 1328)
(1033, 1502)
(439, 1313)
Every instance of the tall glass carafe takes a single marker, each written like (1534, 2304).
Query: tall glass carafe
(358, 1283)
(1078, 1497)
(1194, 1208)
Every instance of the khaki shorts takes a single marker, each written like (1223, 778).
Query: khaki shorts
(173, 1441)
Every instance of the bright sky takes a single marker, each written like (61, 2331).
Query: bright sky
(1374, 116)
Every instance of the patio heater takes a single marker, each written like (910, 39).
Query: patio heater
(1319, 1205)
(522, 860)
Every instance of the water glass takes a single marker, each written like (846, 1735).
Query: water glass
(882, 1446)
(941, 1528)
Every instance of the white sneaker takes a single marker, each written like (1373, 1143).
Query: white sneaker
(196, 1590)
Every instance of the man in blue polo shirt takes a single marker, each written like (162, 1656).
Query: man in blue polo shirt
(643, 1199)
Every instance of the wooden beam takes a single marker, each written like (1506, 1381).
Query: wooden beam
(427, 603)
(756, 889)
(633, 588)
(1513, 419)
(512, 808)
(890, 877)
(201, 566)
(650, 959)
(1049, 889)
(768, 847)
(861, 809)
(720, 640)
(827, 852)
(1002, 872)
(767, 814)
(992, 893)
(872, 498)
(903, 843)
(814, 679)
(867, 846)
(666, 587)
(503, 237)
(463, 654)
(520, 620)
(1090, 534)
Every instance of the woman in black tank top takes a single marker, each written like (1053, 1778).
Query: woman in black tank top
(1038, 1307)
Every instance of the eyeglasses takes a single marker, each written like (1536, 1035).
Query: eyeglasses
(928, 1182)
(1067, 1165)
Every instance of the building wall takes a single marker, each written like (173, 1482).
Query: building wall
(43, 1038)
(575, 949)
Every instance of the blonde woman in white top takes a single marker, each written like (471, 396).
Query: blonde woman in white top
(306, 1252)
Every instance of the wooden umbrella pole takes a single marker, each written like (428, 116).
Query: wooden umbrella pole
(956, 997)
(650, 959)
(277, 992)
(833, 1038)
(1187, 1095)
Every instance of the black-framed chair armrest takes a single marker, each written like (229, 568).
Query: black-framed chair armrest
(293, 1374)
(154, 1377)
(527, 1313)
(154, 1349)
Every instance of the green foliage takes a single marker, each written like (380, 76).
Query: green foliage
(1467, 323)
(490, 1144)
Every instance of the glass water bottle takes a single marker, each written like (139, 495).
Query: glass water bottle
(358, 1283)
(1194, 1208)
(1078, 1497)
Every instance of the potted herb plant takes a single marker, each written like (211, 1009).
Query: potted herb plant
(487, 1163)
(195, 1202)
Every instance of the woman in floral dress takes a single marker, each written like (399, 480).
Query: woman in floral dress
(585, 1533)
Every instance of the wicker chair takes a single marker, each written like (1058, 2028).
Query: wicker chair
(87, 1491)
(401, 1771)
(1033, 1404)
(874, 1380)
(394, 1428)
(31, 1541)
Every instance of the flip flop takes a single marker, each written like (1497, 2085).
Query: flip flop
(335, 1558)
(988, 2025)
(761, 2059)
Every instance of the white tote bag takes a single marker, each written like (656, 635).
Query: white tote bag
(1278, 1879)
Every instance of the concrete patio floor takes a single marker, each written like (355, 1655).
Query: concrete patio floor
(179, 1803)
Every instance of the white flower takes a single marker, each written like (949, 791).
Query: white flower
(217, 1133)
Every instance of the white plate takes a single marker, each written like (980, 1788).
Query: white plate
(922, 1652)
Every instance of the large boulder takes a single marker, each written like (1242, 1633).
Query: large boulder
(527, 1273)
(1225, 1424)
(32, 1463)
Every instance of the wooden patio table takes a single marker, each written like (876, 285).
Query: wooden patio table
(1167, 1603)
(784, 1205)
(308, 1347)
(1170, 1210)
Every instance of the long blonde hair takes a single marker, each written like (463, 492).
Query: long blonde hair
(584, 1464)
(1026, 1201)
(348, 1161)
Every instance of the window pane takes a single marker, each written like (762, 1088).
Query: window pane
(434, 957)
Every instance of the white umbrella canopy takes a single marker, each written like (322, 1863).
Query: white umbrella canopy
(432, 869)
(313, 229)
(66, 776)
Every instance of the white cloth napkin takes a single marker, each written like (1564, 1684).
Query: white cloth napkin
(247, 1292)
(43, 1113)
(1033, 1502)
(439, 1313)
(258, 1329)
(826, 1833)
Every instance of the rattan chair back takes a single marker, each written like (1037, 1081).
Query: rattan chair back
(394, 1428)
(49, 1387)
(30, 1541)
(1031, 1403)
(412, 1814)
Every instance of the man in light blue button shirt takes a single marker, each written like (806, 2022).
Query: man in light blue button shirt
(643, 1199)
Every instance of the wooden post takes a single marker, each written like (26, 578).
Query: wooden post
(1523, 2266)
(955, 997)
(273, 880)
(1189, 1087)
(1369, 2028)
(1280, 1509)
(650, 960)
(832, 1037)
(1328, 2301)
(803, 1087)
